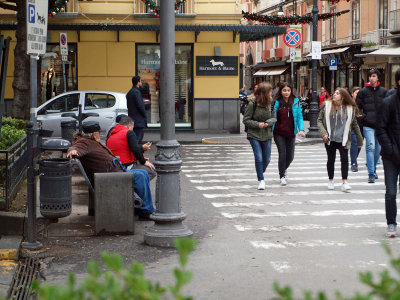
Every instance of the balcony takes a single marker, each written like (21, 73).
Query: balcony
(276, 52)
(394, 21)
(376, 37)
(186, 9)
(71, 10)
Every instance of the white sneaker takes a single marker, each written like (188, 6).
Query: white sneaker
(346, 187)
(286, 176)
(331, 185)
(283, 181)
(391, 230)
(261, 186)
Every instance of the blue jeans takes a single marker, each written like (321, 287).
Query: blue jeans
(354, 150)
(392, 172)
(372, 149)
(141, 185)
(262, 156)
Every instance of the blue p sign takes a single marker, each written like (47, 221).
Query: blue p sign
(31, 9)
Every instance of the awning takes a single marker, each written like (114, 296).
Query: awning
(270, 71)
(392, 51)
(332, 51)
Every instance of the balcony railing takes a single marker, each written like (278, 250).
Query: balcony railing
(378, 37)
(394, 21)
(187, 8)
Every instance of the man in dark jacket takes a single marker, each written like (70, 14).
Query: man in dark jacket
(369, 101)
(97, 158)
(123, 143)
(136, 109)
(388, 133)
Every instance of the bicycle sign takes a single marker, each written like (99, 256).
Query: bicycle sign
(292, 38)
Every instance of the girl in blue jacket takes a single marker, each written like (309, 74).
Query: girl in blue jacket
(289, 123)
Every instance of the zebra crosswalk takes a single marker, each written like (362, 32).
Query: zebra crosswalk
(302, 215)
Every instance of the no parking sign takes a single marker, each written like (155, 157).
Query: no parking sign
(64, 46)
(292, 38)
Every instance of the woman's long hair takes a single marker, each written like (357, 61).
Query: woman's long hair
(347, 100)
(279, 96)
(263, 94)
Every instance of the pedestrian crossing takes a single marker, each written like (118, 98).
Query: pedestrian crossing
(302, 215)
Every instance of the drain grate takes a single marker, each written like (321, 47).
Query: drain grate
(21, 286)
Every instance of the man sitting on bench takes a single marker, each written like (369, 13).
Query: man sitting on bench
(123, 143)
(97, 158)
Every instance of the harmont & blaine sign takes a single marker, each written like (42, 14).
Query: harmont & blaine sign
(217, 66)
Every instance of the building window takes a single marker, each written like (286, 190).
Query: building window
(383, 20)
(148, 68)
(355, 30)
(275, 41)
(332, 26)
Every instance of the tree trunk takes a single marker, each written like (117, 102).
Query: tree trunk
(21, 83)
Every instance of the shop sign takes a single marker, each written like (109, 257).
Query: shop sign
(217, 66)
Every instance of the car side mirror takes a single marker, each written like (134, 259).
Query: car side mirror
(69, 114)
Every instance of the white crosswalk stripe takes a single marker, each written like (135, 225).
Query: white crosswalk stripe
(226, 175)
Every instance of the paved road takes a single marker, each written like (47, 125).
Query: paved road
(302, 234)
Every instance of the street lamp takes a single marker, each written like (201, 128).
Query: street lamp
(168, 216)
(313, 129)
(280, 12)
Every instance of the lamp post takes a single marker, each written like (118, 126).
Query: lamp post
(313, 129)
(168, 216)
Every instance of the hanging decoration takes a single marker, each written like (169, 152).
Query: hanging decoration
(336, 1)
(288, 20)
(156, 8)
(56, 7)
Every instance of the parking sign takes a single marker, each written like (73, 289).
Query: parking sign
(333, 64)
(64, 46)
(36, 26)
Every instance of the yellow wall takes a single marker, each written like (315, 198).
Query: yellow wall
(216, 86)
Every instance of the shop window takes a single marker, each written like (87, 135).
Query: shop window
(52, 72)
(148, 68)
(97, 100)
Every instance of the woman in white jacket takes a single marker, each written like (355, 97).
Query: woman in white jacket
(337, 117)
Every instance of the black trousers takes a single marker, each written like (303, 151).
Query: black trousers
(285, 151)
(344, 159)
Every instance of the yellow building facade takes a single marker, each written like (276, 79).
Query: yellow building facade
(109, 42)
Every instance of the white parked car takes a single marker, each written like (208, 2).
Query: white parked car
(106, 104)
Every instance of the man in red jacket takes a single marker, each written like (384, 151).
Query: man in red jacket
(123, 143)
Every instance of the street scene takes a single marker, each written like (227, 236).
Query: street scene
(230, 149)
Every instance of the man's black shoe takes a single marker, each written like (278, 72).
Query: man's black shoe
(144, 217)
(376, 176)
(354, 168)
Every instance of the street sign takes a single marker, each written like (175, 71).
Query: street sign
(63, 44)
(292, 38)
(316, 50)
(36, 26)
(292, 54)
(333, 64)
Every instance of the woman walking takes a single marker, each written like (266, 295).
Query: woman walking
(259, 118)
(289, 123)
(337, 117)
(354, 149)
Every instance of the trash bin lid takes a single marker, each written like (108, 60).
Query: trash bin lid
(55, 144)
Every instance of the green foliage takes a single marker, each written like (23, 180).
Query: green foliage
(118, 283)
(9, 136)
(368, 44)
(387, 288)
(17, 123)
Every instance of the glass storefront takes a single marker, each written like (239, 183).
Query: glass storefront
(148, 68)
(52, 77)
